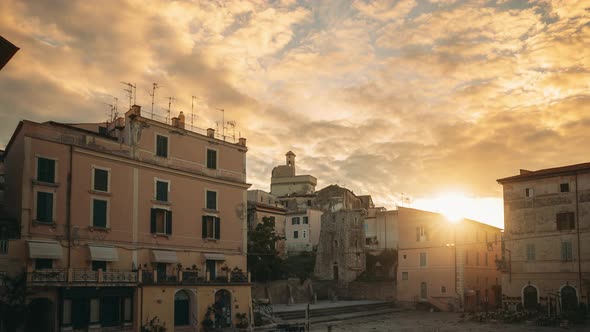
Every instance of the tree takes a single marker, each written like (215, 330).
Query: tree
(263, 260)
(13, 302)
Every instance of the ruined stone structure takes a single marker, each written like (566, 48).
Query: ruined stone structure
(335, 198)
(547, 238)
(340, 254)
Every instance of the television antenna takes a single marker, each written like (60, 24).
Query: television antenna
(193, 109)
(222, 122)
(153, 94)
(170, 99)
(232, 124)
(131, 92)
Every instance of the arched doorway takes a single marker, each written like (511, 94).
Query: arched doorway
(423, 291)
(335, 271)
(181, 308)
(569, 299)
(41, 315)
(222, 308)
(530, 297)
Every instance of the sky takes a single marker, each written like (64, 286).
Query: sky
(422, 103)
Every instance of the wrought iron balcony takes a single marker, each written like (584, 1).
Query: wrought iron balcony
(82, 277)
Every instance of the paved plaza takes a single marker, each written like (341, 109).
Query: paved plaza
(414, 321)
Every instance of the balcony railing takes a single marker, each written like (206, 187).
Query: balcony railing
(117, 277)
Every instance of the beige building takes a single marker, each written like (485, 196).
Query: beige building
(263, 205)
(126, 222)
(547, 238)
(302, 230)
(381, 230)
(450, 265)
(284, 182)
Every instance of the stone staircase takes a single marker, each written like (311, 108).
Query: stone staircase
(338, 312)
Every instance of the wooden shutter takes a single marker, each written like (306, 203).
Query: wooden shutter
(99, 211)
(153, 221)
(204, 227)
(169, 222)
(217, 228)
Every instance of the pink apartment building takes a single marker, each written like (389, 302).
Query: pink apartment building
(127, 221)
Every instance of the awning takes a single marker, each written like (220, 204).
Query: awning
(164, 256)
(214, 257)
(48, 250)
(99, 253)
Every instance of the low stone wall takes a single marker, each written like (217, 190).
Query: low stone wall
(293, 291)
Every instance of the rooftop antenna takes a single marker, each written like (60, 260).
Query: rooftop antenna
(193, 109)
(131, 92)
(170, 99)
(233, 125)
(222, 122)
(153, 94)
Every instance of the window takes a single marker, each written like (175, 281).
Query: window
(309, 202)
(528, 192)
(161, 221)
(127, 309)
(162, 191)
(295, 221)
(45, 170)
(443, 289)
(420, 234)
(3, 247)
(564, 187)
(405, 256)
(530, 252)
(211, 159)
(99, 265)
(43, 263)
(44, 207)
(110, 311)
(366, 226)
(295, 234)
(101, 180)
(94, 310)
(404, 275)
(99, 213)
(304, 234)
(565, 221)
(211, 200)
(161, 146)
(566, 250)
(305, 220)
(211, 227)
(67, 312)
(422, 259)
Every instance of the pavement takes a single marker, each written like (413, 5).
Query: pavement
(320, 305)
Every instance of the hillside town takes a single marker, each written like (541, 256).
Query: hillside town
(112, 226)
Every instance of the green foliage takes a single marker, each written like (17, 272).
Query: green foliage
(207, 321)
(153, 325)
(263, 260)
(301, 266)
(242, 320)
(13, 301)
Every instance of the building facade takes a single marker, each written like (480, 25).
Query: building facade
(546, 259)
(124, 222)
(302, 230)
(449, 265)
(263, 205)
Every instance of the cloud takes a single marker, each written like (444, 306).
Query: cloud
(385, 97)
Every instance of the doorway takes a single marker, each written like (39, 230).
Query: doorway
(223, 309)
(423, 291)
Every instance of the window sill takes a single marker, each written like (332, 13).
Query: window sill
(155, 201)
(99, 229)
(210, 239)
(160, 157)
(156, 235)
(211, 210)
(46, 184)
(44, 223)
(98, 192)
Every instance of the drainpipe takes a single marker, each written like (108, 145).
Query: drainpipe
(579, 243)
(68, 210)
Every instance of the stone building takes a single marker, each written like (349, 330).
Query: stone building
(450, 265)
(126, 221)
(546, 256)
(335, 198)
(340, 254)
(264, 205)
(285, 183)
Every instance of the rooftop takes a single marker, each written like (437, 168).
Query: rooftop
(547, 172)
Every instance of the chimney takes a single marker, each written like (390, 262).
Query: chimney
(175, 122)
(211, 132)
(242, 141)
(181, 120)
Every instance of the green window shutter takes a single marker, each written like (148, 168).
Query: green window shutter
(162, 191)
(153, 221)
(217, 228)
(44, 207)
(99, 211)
(211, 159)
(169, 222)
(162, 146)
(211, 200)
(101, 180)
(45, 170)
(204, 227)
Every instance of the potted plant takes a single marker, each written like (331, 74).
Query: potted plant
(153, 325)
(242, 320)
(208, 323)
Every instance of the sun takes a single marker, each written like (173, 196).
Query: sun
(454, 206)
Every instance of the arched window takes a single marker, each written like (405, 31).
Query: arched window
(222, 307)
(569, 299)
(530, 297)
(181, 308)
(423, 291)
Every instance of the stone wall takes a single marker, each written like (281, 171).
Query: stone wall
(283, 291)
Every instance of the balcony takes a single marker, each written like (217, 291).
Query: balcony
(87, 277)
